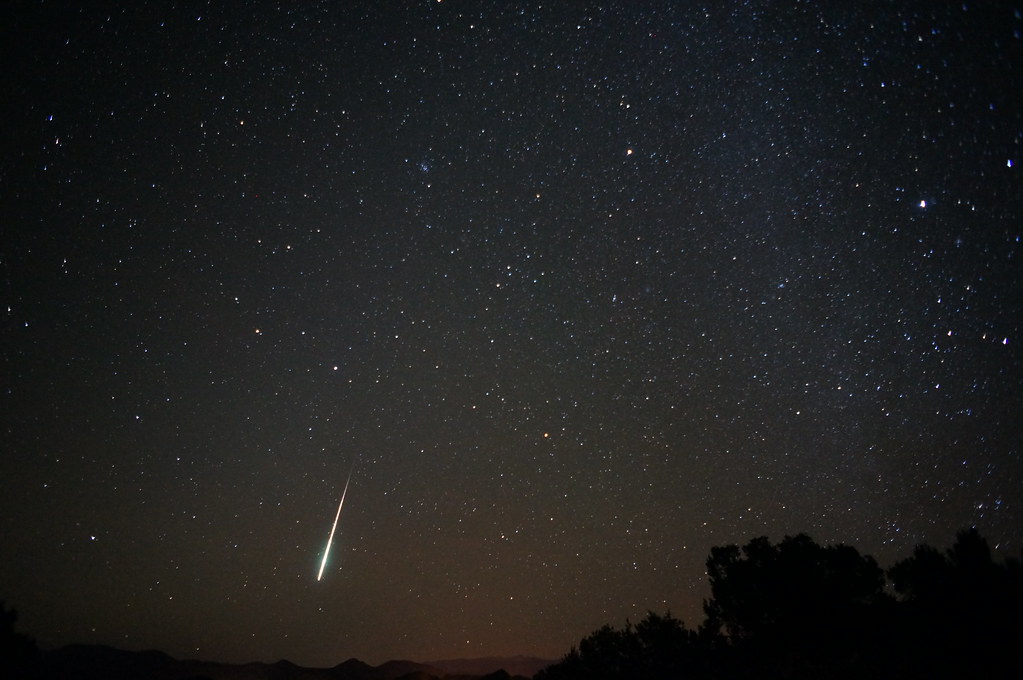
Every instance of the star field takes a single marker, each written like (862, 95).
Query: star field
(580, 289)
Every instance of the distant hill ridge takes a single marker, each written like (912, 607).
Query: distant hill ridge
(99, 662)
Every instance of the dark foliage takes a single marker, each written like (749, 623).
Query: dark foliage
(657, 647)
(961, 613)
(17, 650)
(797, 607)
(801, 610)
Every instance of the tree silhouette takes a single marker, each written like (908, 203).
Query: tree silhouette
(666, 648)
(797, 608)
(961, 612)
(657, 648)
(603, 654)
(16, 649)
(801, 610)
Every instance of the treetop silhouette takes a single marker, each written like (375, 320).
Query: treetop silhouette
(797, 609)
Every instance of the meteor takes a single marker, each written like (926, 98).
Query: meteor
(330, 539)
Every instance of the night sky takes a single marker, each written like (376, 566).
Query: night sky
(575, 291)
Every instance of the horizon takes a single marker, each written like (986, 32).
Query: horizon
(495, 659)
(999, 555)
(568, 293)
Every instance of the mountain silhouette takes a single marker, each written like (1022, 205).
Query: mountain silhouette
(100, 662)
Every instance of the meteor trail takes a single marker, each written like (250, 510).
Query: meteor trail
(330, 539)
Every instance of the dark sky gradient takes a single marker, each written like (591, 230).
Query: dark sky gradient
(580, 289)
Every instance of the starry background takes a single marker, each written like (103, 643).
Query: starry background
(580, 290)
